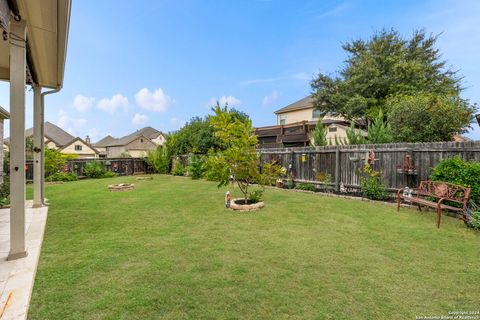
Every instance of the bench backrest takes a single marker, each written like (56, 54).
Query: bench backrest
(449, 191)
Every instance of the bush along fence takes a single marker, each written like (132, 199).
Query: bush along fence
(341, 168)
(119, 166)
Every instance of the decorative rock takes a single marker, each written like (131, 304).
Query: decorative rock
(245, 207)
(143, 178)
(121, 187)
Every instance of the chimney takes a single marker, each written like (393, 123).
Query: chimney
(87, 139)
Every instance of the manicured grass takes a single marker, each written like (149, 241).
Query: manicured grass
(169, 250)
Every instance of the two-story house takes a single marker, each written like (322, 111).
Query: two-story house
(295, 123)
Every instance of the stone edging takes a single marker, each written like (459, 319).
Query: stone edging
(121, 187)
(245, 207)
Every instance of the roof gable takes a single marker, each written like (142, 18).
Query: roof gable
(105, 141)
(81, 140)
(304, 103)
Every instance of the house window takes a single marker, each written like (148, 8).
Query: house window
(332, 129)
(141, 140)
(283, 118)
(316, 114)
(78, 147)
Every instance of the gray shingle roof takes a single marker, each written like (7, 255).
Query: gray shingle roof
(52, 132)
(304, 103)
(148, 132)
(105, 141)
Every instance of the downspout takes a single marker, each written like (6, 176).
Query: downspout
(42, 188)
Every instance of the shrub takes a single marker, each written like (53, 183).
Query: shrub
(326, 178)
(289, 184)
(54, 162)
(255, 196)
(458, 171)
(179, 169)
(474, 222)
(159, 159)
(109, 174)
(62, 176)
(197, 167)
(95, 170)
(371, 184)
(305, 186)
(5, 191)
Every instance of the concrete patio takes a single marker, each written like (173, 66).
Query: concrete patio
(17, 276)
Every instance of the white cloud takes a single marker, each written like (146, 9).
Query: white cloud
(139, 119)
(336, 10)
(70, 124)
(177, 124)
(82, 103)
(156, 101)
(230, 100)
(271, 98)
(111, 105)
(302, 76)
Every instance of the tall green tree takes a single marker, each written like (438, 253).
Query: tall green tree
(198, 136)
(384, 66)
(427, 117)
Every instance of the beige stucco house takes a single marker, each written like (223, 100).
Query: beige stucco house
(136, 144)
(296, 122)
(81, 148)
(303, 110)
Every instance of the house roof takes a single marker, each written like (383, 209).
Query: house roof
(81, 140)
(304, 103)
(147, 132)
(105, 141)
(4, 114)
(53, 133)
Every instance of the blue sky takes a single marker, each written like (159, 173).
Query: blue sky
(136, 63)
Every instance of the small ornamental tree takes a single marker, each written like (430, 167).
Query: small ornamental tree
(320, 135)
(237, 161)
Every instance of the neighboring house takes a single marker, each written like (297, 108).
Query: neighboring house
(58, 139)
(82, 148)
(4, 115)
(101, 145)
(136, 144)
(295, 124)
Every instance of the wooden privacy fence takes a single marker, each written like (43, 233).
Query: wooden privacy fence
(121, 166)
(343, 164)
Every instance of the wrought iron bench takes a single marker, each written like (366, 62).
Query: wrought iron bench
(441, 191)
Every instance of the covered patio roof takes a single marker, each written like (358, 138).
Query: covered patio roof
(47, 24)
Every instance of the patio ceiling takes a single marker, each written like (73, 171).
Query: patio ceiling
(47, 35)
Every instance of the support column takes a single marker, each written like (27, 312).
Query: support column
(42, 151)
(37, 146)
(17, 139)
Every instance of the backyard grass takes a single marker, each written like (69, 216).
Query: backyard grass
(170, 250)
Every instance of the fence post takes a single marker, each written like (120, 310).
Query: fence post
(337, 169)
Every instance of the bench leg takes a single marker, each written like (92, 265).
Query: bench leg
(439, 218)
(398, 203)
(419, 207)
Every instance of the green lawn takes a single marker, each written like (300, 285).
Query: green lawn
(170, 250)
